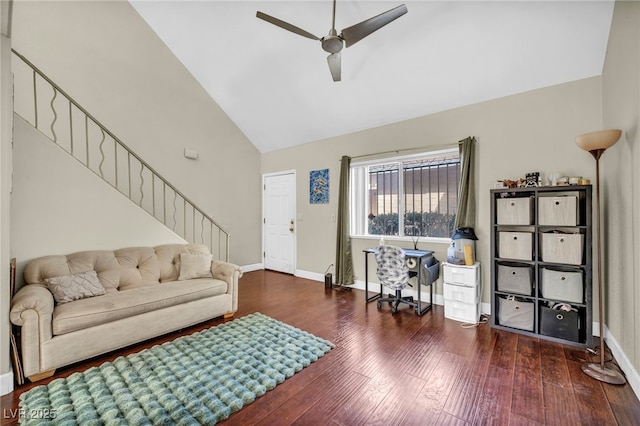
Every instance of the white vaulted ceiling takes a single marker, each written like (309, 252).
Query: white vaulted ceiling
(277, 88)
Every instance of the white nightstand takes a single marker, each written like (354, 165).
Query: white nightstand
(462, 292)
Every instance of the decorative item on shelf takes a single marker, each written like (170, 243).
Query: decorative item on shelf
(596, 143)
(552, 179)
(508, 183)
(574, 180)
(531, 179)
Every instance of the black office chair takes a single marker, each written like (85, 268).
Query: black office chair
(393, 273)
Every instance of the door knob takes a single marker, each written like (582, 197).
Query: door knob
(291, 225)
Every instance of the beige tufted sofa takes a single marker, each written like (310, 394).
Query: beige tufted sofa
(143, 298)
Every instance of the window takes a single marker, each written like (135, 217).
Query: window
(420, 189)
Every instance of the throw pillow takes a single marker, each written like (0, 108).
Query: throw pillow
(195, 266)
(68, 288)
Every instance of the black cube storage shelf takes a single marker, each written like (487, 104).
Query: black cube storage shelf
(541, 245)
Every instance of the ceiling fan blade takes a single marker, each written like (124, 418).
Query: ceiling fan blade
(357, 32)
(287, 26)
(334, 66)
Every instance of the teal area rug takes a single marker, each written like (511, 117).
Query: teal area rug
(198, 379)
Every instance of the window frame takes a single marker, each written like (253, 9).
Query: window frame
(359, 194)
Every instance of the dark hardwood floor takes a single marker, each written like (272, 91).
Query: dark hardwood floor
(407, 370)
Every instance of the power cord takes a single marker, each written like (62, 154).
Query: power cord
(595, 351)
(483, 320)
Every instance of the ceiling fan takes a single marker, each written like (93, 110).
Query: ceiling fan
(332, 42)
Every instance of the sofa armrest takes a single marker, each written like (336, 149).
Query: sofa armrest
(32, 309)
(230, 273)
(34, 297)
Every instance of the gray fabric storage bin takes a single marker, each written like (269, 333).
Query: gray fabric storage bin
(558, 211)
(560, 324)
(514, 211)
(562, 285)
(515, 313)
(561, 247)
(515, 245)
(515, 279)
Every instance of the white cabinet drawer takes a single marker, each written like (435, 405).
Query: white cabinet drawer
(515, 245)
(562, 248)
(514, 211)
(463, 275)
(459, 311)
(461, 293)
(558, 211)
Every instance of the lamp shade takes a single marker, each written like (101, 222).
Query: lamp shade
(599, 140)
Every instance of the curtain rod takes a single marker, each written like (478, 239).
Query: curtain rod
(398, 151)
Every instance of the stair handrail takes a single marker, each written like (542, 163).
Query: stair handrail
(129, 151)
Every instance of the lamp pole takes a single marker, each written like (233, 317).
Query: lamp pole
(597, 154)
(596, 143)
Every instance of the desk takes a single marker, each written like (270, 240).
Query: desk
(419, 255)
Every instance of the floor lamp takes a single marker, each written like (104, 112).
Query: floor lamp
(596, 143)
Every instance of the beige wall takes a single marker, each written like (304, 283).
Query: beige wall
(6, 115)
(621, 181)
(107, 58)
(48, 185)
(533, 131)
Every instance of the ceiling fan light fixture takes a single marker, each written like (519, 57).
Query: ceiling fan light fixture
(334, 43)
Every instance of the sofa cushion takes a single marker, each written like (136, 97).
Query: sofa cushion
(67, 288)
(138, 267)
(102, 261)
(169, 258)
(195, 266)
(81, 314)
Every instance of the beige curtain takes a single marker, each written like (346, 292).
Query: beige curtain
(466, 215)
(344, 258)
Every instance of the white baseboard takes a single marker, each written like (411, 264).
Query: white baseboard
(625, 364)
(254, 267)
(6, 383)
(315, 276)
(485, 308)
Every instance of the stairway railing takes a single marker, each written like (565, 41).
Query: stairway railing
(83, 137)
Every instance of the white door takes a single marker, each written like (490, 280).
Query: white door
(279, 225)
